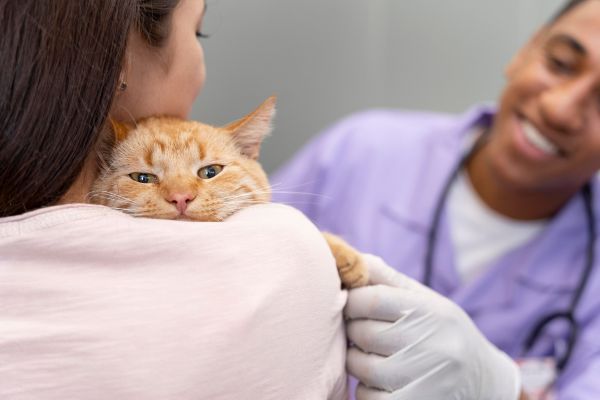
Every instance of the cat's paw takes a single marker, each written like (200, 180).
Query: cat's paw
(353, 270)
(350, 264)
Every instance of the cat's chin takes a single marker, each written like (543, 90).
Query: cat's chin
(193, 218)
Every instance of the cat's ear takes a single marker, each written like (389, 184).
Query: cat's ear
(250, 131)
(120, 129)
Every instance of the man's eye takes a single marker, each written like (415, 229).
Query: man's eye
(210, 171)
(559, 66)
(201, 35)
(143, 177)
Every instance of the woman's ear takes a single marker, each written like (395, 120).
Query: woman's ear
(249, 132)
(120, 129)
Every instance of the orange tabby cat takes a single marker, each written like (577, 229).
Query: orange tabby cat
(170, 168)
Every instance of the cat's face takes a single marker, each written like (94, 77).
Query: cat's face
(174, 169)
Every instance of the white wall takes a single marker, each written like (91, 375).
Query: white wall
(327, 58)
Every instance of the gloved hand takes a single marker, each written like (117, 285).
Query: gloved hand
(412, 343)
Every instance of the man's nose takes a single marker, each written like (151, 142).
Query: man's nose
(564, 106)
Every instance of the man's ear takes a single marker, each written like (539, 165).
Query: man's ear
(120, 129)
(249, 132)
(524, 52)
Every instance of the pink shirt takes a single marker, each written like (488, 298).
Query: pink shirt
(95, 304)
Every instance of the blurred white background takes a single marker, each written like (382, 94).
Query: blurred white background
(327, 58)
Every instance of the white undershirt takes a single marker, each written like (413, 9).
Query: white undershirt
(480, 235)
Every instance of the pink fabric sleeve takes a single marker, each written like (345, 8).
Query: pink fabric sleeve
(95, 304)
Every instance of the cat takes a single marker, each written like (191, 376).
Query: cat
(170, 168)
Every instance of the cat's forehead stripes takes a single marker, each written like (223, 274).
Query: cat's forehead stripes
(201, 151)
(165, 146)
(169, 125)
(161, 145)
(148, 156)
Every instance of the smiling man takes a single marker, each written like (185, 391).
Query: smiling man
(495, 209)
(544, 143)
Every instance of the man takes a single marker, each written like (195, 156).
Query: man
(492, 209)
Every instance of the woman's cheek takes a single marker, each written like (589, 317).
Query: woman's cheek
(198, 71)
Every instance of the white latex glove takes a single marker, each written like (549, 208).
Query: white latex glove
(412, 343)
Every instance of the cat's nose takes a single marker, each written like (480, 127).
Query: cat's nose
(181, 200)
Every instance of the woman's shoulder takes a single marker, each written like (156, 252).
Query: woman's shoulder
(52, 217)
(258, 292)
(97, 235)
(85, 216)
(274, 218)
(268, 242)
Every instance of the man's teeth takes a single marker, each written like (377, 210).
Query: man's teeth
(535, 138)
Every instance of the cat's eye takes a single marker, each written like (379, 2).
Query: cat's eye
(210, 171)
(142, 177)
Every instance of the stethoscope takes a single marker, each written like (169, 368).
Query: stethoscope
(568, 315)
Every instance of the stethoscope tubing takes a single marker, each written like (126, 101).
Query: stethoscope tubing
(567, 315)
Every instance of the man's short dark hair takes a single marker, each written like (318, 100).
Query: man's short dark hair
(566, 8)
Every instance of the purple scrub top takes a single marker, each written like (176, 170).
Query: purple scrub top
(375, 179)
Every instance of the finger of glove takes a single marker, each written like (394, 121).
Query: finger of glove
(381, 302)
(366, 393)
(411, 392)
(384, 373)
(378, 337)
(382, 274)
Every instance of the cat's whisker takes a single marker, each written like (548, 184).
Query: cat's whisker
(234, 196)
(240, 204)
(302, 194)
(149, 214)
(134, 208)
(112, 194)
(117, 200)
(286, 186)
(244, 196)
(253, 192)
(126, 211)
(132, 119)
(295, 202)
(301, 203)
(264, 189)
(267, 187)
(271, 191)
(109, 196)
(115, 207)
(240, 196)
(275, 185)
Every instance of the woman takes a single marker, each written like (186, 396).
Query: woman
(494, 209)
(95, 304)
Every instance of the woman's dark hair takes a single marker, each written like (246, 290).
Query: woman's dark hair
(565, 9)
(60, 62)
